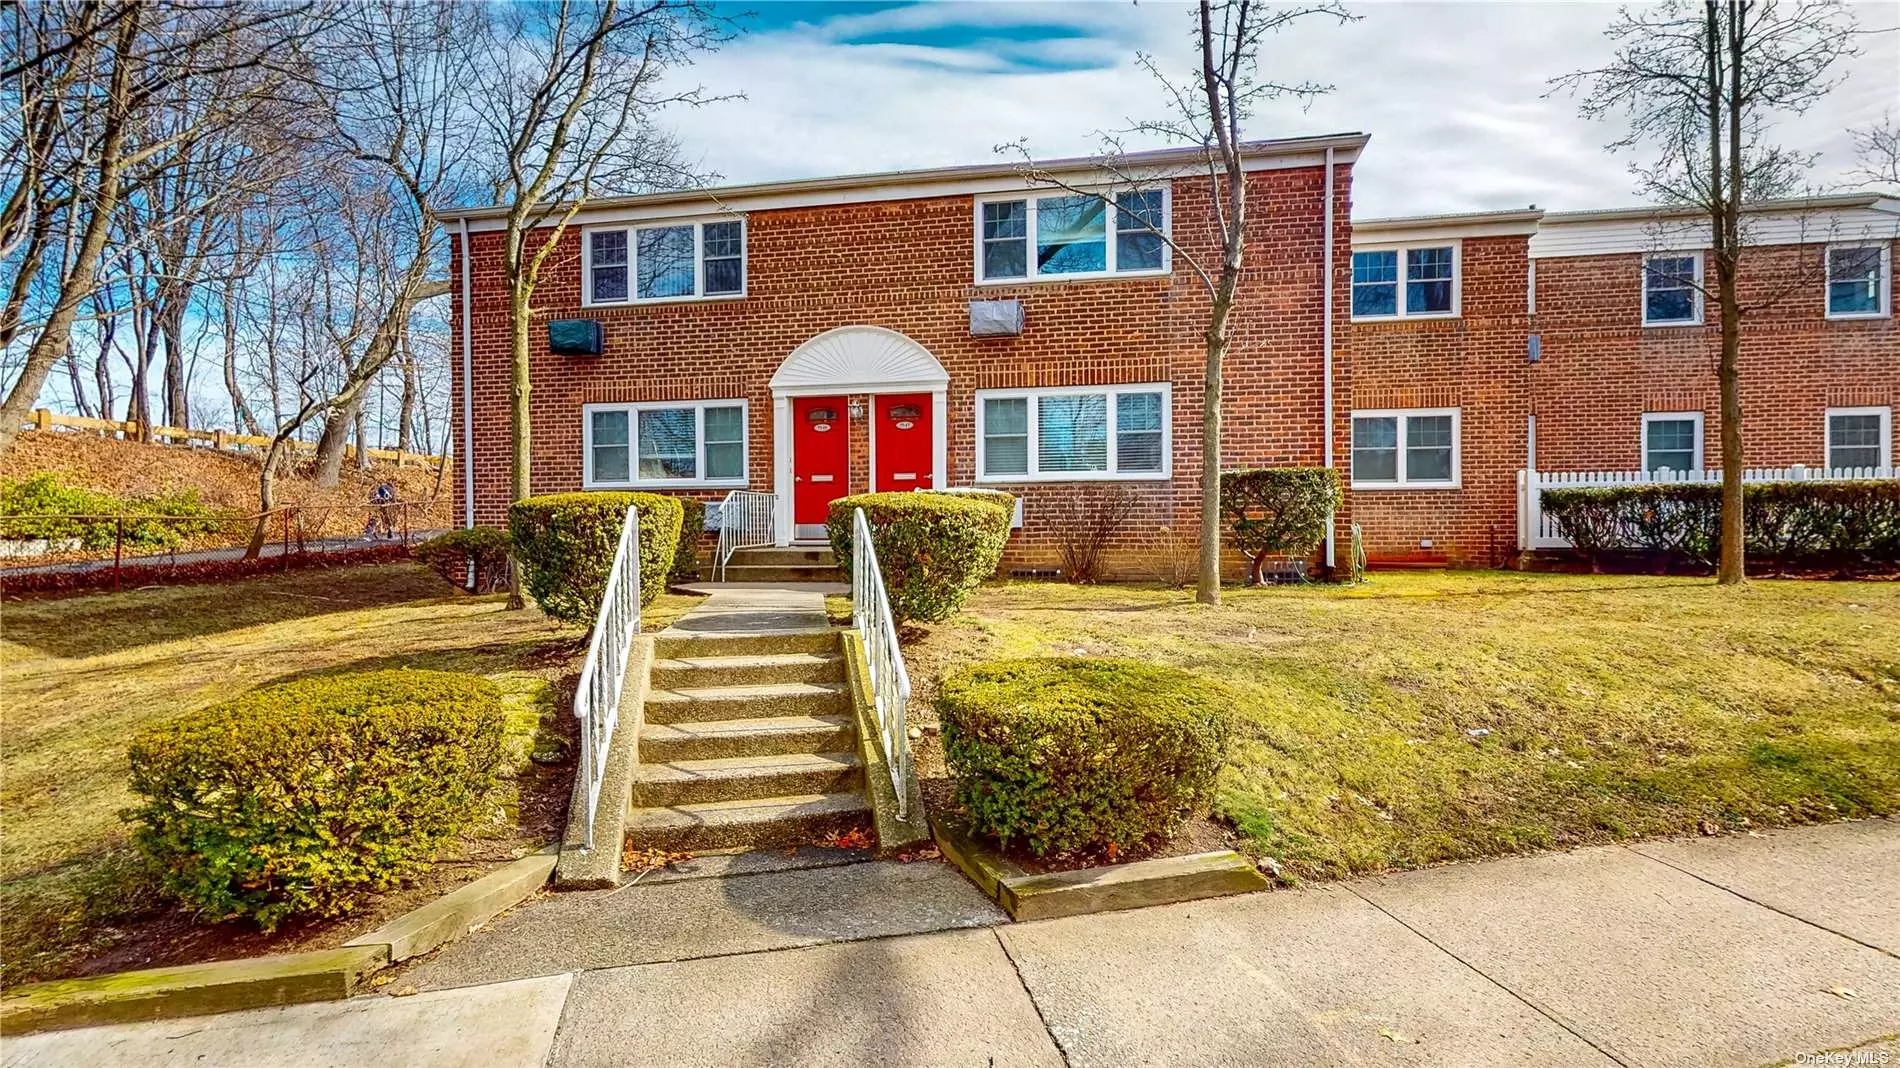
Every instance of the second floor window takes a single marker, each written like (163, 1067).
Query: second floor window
(1071, 235)
(670, 262)
(1672, 294)
(1857, 281)
(1401, 282)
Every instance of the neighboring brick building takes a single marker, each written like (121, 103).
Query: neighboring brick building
(958, 327)
(1582, 341)
(816, 338)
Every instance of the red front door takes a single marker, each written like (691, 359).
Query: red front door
(821, 461)
(901, 437)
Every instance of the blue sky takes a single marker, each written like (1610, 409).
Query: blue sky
(1454, 94)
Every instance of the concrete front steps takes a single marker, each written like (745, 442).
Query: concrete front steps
(748, 742)
(783, 564)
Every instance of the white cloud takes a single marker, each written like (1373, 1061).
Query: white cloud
(1456, 96)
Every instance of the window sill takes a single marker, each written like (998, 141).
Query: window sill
(1080, 476)
(1672, 324)
(717, 298)
(1837, 317)
(669, 484)
(1098, 276)
(1428, 317)
(1386, 486)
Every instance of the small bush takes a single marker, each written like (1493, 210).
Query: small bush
(1086, 519)
(1278, 511)
(450, 553)
(296, 800)
(1835, 523)
(61, 512)
(564, 543)
(934, 548)
(1067, 755)
(692, 525)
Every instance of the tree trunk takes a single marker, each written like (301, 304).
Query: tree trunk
(266, 495)
(332, 441)
(406, 410)
(171, 326)
(1207, 584)
(1732, 567)
(362, 438)
(241, 415)
(519, 435)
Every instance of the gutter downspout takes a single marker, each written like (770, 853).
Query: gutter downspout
(1327, 344)
(468, 396)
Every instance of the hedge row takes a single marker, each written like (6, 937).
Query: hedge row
(934, 548)
(450, 554)
(1840, 523)
(565, 542)
(44, 506)
(188, 574)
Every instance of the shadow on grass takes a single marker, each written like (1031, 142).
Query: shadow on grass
(104, 623)
(533, 654)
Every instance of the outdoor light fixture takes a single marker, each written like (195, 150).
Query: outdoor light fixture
(857, 408)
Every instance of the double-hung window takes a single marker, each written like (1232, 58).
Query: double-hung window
(674, 261)
(1405, 282)
(666, 444)
(1113, 432)
(1071, 235)
(1672, 441)
(1405, 448)
(1859, 437)
(1672, 289)
(1858, 281)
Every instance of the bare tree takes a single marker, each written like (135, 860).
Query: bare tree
(1700, 86)
(1207, 111)
(1877, 152)
(110, 68)
(569, 112)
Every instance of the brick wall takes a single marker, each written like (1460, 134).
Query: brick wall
(907, 266)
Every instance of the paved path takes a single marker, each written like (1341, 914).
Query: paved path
(1732, 951)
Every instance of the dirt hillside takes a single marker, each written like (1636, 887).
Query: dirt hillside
(222, 479)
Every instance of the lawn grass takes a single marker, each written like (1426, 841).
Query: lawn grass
(1436, 716)
(83, 674)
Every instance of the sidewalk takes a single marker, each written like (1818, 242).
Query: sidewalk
(1728, 951)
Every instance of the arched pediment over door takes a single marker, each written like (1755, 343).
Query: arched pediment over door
(859, 359)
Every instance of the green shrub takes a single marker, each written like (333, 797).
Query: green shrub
(450, 553)
(61, 512)
(564, 543)
(692, 525)
(1840, 523)
(297, 799)
(1277, 511)
(1071, 754)
(934, 548)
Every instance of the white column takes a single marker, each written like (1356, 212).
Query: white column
(939, 435)
(782, 468)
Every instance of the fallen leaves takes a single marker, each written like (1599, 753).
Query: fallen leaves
(926, 853)
(646, 860)
(855, 838)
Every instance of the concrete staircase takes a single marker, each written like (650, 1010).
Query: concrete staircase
(791, 563)
(749, 739)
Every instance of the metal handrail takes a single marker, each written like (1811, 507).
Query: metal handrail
(745, 522)
(597, 696)
(890, 682)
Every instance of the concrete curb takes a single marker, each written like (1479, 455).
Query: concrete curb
(1086, 890)
(894, 835)
(284, 979)
(599, 868)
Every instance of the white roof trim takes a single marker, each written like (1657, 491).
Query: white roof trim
(859, 359)
(1426, 228)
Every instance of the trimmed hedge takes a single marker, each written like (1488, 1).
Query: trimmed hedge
(448, 554)
(1837, 523)
(1073, 754)
(296, 800)
(564, 544)
(686, 556)
(1278, 511)
(934, 547)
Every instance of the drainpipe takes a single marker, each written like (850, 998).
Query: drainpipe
(1326, 285)
(468, 396)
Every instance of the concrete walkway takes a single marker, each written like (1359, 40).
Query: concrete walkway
(1733, 951)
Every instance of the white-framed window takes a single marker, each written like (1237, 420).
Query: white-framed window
(664, 443)
(701, 259)
(1406, 448)
(1065, 235)
(1672, 441)
(1859, 437)
(1858, 285)
(1406, 282)
(1672, 289)
(1080, 433)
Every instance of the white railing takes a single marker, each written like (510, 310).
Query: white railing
(597, 697)
(745, 521)
(890, 683)
(1535, 530)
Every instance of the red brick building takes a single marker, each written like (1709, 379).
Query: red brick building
(1585, 341)
(963, 327)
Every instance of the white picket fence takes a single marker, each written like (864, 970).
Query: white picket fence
(1535, 530)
